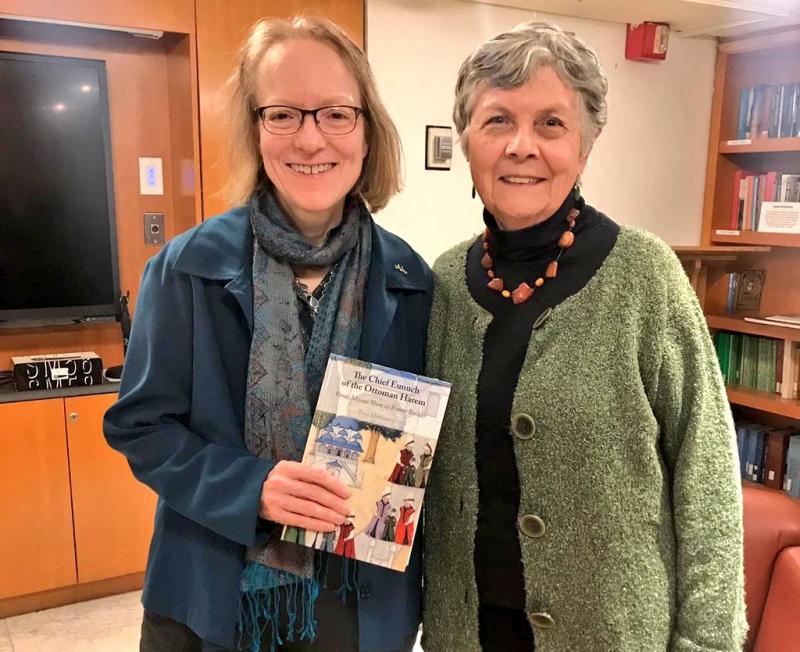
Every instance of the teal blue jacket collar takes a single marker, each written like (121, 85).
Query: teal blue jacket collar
(221, 249)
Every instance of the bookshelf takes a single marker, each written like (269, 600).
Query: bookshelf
(772, 60)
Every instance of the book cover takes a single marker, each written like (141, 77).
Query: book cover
(748, 291)
(791, 481)
(775, 457)
(375, 429)
(741, 445)
(788, 319)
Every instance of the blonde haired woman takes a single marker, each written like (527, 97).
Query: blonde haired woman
(232, 331)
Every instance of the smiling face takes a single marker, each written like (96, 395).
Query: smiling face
(524, 148)
(311, 171)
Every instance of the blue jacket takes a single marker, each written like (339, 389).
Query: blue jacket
(180, 415)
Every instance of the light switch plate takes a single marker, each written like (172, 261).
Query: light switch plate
(151, 177)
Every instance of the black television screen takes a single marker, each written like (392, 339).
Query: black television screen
(58, 254)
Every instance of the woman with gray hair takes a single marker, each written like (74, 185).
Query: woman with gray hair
(233, 328)
(586, 492)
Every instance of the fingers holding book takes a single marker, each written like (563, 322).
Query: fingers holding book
(297, 495)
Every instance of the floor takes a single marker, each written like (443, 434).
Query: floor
(105, 625)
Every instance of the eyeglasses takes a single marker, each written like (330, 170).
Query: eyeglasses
(287, 120)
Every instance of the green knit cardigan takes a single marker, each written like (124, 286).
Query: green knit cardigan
(632, 466)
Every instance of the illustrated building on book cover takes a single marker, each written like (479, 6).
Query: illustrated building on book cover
(375, 429)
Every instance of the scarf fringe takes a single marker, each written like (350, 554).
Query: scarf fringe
(261, 608)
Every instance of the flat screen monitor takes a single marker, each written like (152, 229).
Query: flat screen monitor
(58, 250)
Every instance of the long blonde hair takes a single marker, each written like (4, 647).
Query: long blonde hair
(380, 175)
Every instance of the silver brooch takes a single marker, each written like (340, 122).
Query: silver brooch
(400, 268)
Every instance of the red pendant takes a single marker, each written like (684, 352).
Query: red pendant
(486, 261)
(522, 293)
(495, 284)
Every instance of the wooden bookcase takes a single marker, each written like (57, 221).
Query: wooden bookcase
(767, 59)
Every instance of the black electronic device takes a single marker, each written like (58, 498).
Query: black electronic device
(58, 250)
(114, 374)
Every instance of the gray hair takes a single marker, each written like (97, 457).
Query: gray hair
(511, 58)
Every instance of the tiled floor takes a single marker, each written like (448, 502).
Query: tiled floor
(105, 625)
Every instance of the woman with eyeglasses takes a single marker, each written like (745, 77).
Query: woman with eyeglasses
(232, 332)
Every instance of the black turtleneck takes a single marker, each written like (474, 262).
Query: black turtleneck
(520, 255)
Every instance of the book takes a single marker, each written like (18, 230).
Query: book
(787, 319)
(775, 457)
(769, 322)
(748, 291)
(791, 481)
(375, 429)
(742, 434)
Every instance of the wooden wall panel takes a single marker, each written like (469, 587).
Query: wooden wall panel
(171, 16)
(36, 546)
(221, 28)
(143, 76)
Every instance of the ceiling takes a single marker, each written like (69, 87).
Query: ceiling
(700, 18)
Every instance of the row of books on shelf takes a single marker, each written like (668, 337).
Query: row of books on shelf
(761, 363)
(770, 456)
(751, 190)
(769, 111)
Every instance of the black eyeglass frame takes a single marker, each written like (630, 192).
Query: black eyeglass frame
(259, 114)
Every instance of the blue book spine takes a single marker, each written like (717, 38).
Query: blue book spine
(751, 452)
(742, 127)
(758, 465)
(741, 444)
(791, 482)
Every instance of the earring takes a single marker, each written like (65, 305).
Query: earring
(473, 191)
(576, 192)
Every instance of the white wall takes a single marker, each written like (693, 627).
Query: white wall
(647, 168)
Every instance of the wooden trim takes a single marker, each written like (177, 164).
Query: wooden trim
(762, 145)
(764, 401)
(759, 238)
(739, 325)
(765, 42)
(70, 594)
(712, 251)
(713, 148)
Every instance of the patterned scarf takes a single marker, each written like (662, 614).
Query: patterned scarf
(283, 384)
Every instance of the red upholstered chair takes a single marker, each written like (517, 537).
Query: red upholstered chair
(772, 570)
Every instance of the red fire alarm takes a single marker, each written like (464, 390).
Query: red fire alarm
(647, 41)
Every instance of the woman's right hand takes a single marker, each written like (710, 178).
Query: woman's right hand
(299, 495)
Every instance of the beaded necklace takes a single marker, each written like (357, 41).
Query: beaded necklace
(523, 291)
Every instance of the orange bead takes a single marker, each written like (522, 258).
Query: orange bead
(552, 269)
(573, 214)
(566, 239)
(522, 293)
(490, 273)
(495, 284)
(539, 282)
(486, 245)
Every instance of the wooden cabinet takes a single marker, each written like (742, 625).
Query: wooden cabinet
(112, 511)
(72, 512)
(36, 546)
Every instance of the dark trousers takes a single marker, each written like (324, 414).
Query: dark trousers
(504, 630)
(337, 631)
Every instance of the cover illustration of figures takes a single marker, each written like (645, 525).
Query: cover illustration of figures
(374, 429)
